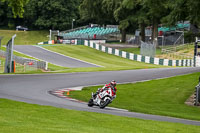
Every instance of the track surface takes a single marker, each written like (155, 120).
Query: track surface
(52, 57)
(35, 88)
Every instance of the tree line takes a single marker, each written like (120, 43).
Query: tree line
(39, 14)
(128, 14)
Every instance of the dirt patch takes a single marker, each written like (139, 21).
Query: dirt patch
(190, 101)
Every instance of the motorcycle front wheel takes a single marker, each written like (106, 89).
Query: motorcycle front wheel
(90, 103)
(103, 104)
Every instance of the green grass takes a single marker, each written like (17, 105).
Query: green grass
(2, 65)
(24, 37)
(51, 67)
(159, 97)
(18, 117)
(18, 54)
(109, 62)
(19, 68)
(137, 50)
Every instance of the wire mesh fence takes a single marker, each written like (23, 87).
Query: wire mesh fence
(147, 49)
(179, 52)
(27, 66)
(23, 64)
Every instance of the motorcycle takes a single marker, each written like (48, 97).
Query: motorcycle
(103, 98)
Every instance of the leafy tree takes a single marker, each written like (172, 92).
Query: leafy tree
(194, 11)
(121, 15)
(17, 7)
(96, 11)
(53, 14)
(156, 11)
(6, 15)
(138, 14)
(181, 10)
(178, 11)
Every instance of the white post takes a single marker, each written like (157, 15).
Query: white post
(73, 23)
(50, 35)
(11, 51)
(58, 32)
(46, 67)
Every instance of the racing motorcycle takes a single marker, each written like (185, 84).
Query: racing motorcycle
(103, 98)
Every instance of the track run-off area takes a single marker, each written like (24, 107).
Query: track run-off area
(35, 88)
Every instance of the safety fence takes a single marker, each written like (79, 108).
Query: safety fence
(25, 64)
(140, 58)
(147, 49)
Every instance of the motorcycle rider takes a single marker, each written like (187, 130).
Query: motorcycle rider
(112, 85)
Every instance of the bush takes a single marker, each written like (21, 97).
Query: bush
(190, 37)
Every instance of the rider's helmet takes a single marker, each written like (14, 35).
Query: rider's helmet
(113, 83)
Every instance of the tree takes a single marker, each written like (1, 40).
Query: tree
(54, 14)
(156, 11)
(17, 7)
(146, 12)
(122, 12)
(178, 11)
(181, 10)
(120, 15)
(194, 11)
(91, 11)
(138, 14)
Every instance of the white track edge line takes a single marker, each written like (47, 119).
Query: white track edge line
(69, 56)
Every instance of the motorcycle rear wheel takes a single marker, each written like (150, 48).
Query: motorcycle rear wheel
(103, 104)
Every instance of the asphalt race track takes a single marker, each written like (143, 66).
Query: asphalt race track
(34, 88)
(52, 57)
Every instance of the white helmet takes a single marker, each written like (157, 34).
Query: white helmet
(113, 83)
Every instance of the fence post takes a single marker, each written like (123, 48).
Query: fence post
(24, 66)
(0, 40)
(46, 66)
(9, 55)
(197, 94)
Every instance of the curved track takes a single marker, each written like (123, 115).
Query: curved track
(34, 88)
(52, 57)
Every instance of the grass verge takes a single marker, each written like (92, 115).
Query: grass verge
(20, 68)
(159, 97)
(21, 117)
(24, 37)
(137, 50)
(109, 62)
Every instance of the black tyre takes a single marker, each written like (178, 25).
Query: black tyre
(103, 104)
(90, 103)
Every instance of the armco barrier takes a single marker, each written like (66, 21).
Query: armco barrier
(40, 64)
(140, 58)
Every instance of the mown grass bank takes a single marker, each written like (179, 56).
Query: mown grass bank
(137, 50)
(107, 61)
(159, 97)
(18, 117)
(24, 37)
